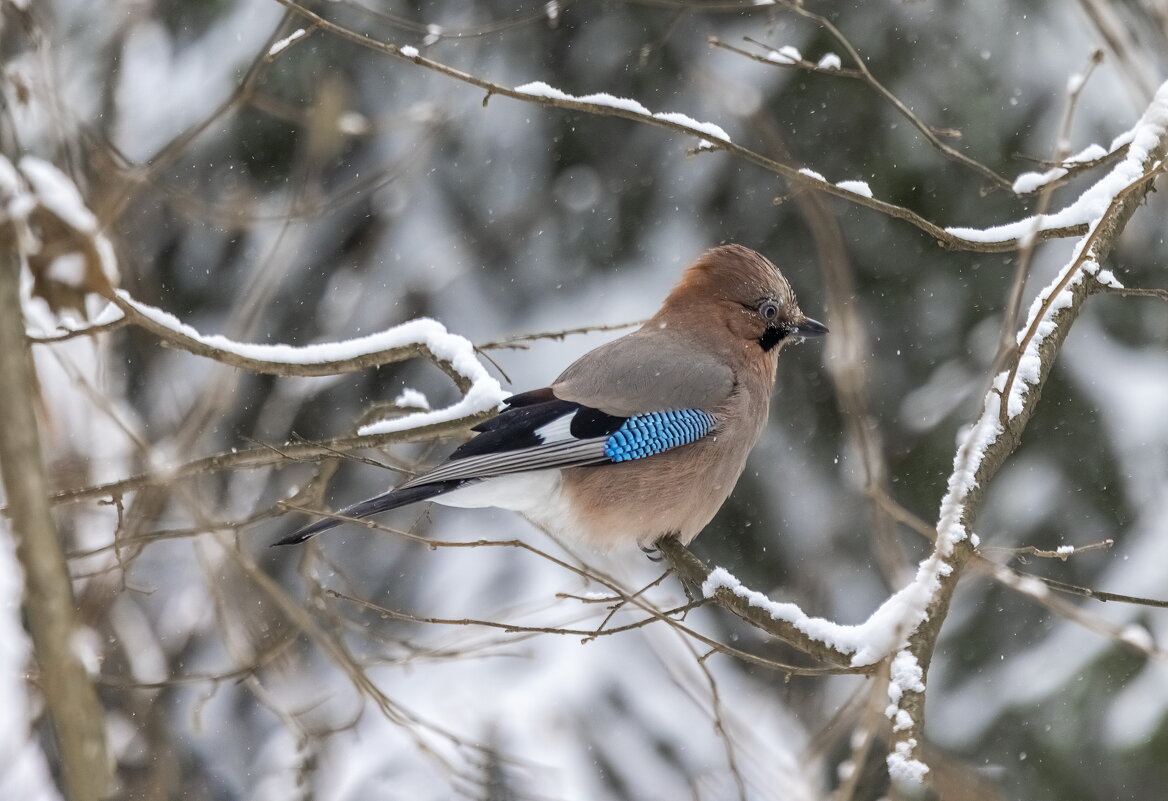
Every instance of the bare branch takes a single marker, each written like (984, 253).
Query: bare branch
(1131, 292)
(114, 204)
(266, 456)
(75, 333)
(1100, 595)
(862, 73)
(884, 92)
(1036, 589)
(510, 628)
(619, 594)
(520, 342)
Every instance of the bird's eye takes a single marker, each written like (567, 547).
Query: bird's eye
(769, 310)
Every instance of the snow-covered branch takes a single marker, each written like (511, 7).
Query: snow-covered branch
(1011, 402)
(422, 337)
(906, 627)
(788, 624)
(859, 647)
(427, 338)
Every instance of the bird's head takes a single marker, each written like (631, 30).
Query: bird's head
(741, 288)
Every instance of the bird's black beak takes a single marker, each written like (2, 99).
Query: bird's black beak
(810, 328)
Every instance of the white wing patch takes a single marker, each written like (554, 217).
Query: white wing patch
(557, 430)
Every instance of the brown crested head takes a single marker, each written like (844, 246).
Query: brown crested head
(744, 291)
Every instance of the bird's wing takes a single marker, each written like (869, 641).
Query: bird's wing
(648, 370)
(537, 434)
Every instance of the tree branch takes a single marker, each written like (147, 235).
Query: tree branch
(792, 174)
(319, 367)
(694, 572)
(77, 716)
(862, 73)
(994, 436)
(267, 455)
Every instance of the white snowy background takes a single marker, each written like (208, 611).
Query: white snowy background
(350, 192)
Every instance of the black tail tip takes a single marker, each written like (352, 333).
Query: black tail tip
(292, 539)
(306, 533)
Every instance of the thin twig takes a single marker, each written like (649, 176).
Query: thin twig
(520, 342)
(634, 599)
(1100, 595)
(510, 628)
(720, 728)
(265, 456)
(802, 64)
(1061, 554)
(113, 206)
(1038, 590)
(75, 333)
(926, 131)
(787, 171)
(1132, 292)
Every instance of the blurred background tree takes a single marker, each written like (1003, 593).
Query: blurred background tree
(284, 188)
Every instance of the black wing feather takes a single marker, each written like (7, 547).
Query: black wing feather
(511, 441)
(513, 429)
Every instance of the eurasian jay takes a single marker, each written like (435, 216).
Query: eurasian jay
(642, 437)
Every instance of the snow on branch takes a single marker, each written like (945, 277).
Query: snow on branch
(1091, 156)
(905, 628)
(609, 105)
(864, 644)
(784, 621)
(421, 337)
(1013, 397)
(281, 45)
(540, 89)
(1086, 208)
(70, 261)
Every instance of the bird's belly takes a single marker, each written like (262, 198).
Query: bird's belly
(640, 501)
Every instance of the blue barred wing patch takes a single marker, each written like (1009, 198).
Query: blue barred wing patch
(654, 432)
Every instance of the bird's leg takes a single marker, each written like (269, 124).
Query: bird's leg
(653, 553)
(693, 593)
(693, 589)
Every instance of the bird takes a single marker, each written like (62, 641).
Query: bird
(640, 438)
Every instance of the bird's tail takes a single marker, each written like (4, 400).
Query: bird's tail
(382, 503)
